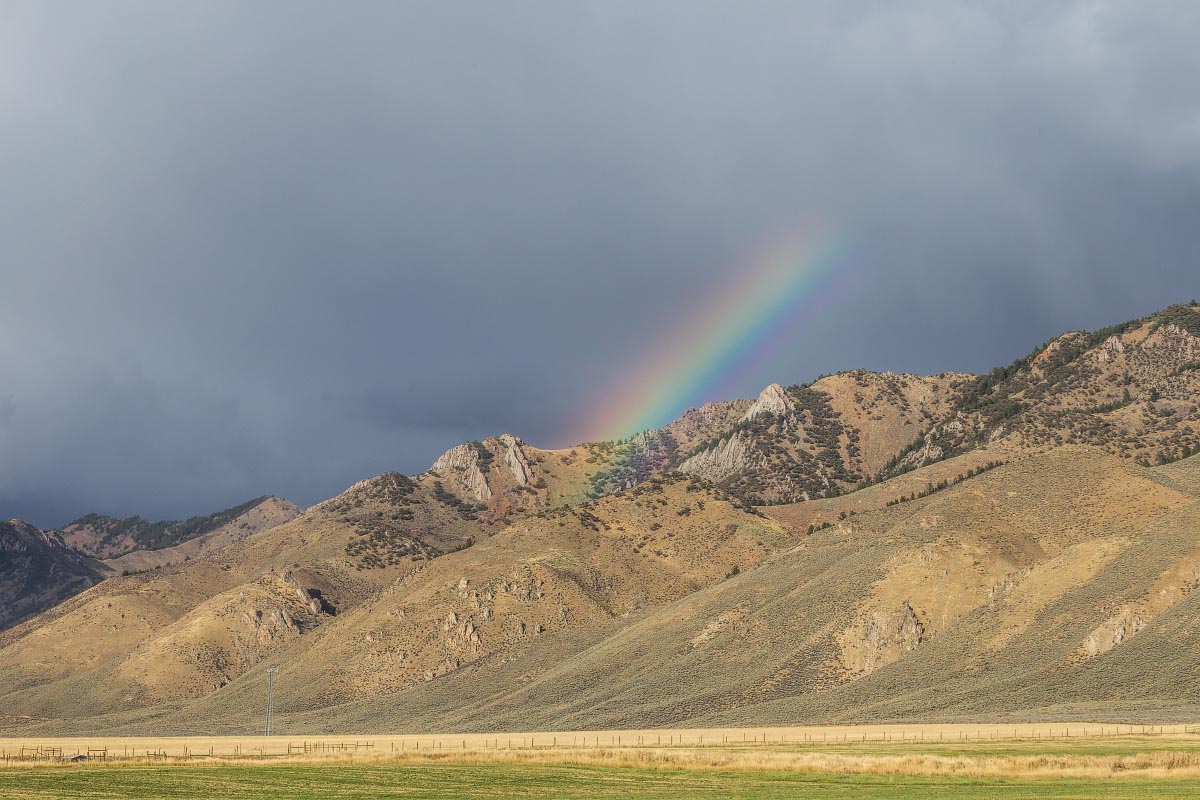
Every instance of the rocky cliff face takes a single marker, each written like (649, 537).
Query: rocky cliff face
(461, 471)
(814, 441)
(727, 458)
(881, 637)
(485, 472)
(771, 400)
(709, 420)
(515, 459)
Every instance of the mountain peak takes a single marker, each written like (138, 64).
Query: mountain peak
(771, 400)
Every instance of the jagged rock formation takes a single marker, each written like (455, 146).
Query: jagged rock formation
(881, 638)
(514, 459)
(697, 424)
(728, 457)
(816, 441)
(460, 466)
(771, 400)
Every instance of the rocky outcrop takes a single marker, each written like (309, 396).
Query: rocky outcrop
(728, 457)
(1113, 632)
(461, 465)
(1170, 347)
(927, 453)
(771, 400)
(1172, 586)
(881, 637)
(1113, 346)
(514, 459)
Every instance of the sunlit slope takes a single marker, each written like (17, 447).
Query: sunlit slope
(559, 579)
(1038, 588)
(184, 630)
(547, 577)
(1130, 389)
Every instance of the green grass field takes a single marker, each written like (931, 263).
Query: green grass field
(465, 780)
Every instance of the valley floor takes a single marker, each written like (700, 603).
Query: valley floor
(870, 761)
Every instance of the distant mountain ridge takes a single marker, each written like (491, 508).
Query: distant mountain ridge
(38, 570)
(108, 537)
(1130, 389)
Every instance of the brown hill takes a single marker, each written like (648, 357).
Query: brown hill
(108, 537)
(814, 441)
(265, 513)
(38, 570)
(1130, 389)
(1059, 586)
(962, 547)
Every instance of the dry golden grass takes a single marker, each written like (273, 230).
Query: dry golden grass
(1062, 750)
(1147, 764)
(1065, 765)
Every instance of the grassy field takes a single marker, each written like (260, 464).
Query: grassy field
(902, 765)
(506, 780)
(826, 737)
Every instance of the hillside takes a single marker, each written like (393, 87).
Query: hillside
(1130, 389)
(256, 517)
(109, 537)
(1039, 589)
(812, 441)
(39, 570)
(43, 568)
(866, 547)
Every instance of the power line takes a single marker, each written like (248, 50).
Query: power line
(270, 694)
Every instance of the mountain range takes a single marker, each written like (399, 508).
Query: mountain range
(868, 546)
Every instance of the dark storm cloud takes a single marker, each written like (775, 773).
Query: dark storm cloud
(278, 247)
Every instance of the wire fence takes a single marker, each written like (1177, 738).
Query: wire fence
(280, 747)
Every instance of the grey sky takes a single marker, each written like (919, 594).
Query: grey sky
(278, 247)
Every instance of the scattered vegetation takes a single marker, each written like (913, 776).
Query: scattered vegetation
(467, 510)
(1181, 316)
(147, 535)
(932, 488)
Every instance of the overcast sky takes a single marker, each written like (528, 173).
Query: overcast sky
(256, 248)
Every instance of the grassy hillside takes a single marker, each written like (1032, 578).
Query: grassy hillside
(1003, 596)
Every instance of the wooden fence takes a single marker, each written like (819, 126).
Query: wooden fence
(625, 739)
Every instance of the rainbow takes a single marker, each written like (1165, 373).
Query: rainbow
(720, 339)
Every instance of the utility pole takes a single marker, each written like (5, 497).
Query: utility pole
(270, 693)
